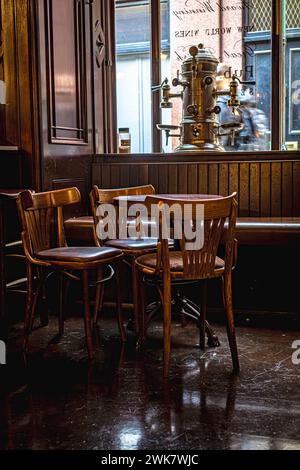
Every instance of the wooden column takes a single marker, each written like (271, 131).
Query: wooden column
(155, 72)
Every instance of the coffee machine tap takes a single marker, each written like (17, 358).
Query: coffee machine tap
(233, 102)
(166, 94)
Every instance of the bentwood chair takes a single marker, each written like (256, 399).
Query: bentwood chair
(46, 251)
(131, 247)
(165, 268)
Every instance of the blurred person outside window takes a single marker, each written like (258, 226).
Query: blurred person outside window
(253, 136)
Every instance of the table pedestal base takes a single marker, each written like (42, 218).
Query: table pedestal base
(183, 307)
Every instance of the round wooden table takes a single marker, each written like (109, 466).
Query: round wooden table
(182, 305)
(141, 198)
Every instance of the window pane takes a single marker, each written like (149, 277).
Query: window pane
(292, 74)
(133, 72)
(238, 34)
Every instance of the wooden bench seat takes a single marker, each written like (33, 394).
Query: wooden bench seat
(249, 230)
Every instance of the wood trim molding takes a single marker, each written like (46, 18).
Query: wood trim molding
(156, 73)
(59, 133)
(185, 158)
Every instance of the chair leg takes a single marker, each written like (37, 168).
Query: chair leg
(119, 306)
(203, 307)
(36, 297)
(135, 296)
(230, 323)
(87, 320)
(61, 319)
(141, 308)
(223, 291)
(29, 300)
(167, 324)
(99, 297)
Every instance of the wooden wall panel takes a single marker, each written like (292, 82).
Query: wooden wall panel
(163, 179)
(192, 179)
(243, 194)
(223, 179)
(233, 184)
(153, 175)
(182, 179)
(213, 178)
(296, 188)
(254, 189)
(203, 178)
(265, 188)
(276, 185)
(287, 188)
(66, 64)
(173, 179)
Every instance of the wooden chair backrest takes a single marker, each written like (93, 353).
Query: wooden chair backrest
(41, 216)
(106, 196)
(200, 263)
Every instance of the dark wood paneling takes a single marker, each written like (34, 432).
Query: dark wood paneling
(287, 188)
(244, 189)
(67, 171)
(265, 187)
(66, 67)
(254, 189)
(203, 178)
(76, 75)
(276, 187)
(296, 187)
(80, 183)
(19, 126)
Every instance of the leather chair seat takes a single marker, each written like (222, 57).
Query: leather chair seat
(133, 244)
(176, 262)
(79, 254)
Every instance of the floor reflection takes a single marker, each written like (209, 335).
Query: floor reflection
(57, 400)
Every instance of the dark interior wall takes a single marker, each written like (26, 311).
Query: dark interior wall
(267, 184)
(58, 66)
(75, 66)
(18, 69)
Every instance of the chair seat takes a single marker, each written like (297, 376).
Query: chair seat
(133, 244)
(80, 253)
(176, 262)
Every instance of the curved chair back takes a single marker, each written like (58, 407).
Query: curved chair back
(106, 196)
(198, 263)
(41, 216)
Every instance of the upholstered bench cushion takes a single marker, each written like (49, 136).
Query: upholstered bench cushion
(249, 230)
(268, 230)
(80, 229)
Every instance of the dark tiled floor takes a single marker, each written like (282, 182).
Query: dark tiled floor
(57, 401)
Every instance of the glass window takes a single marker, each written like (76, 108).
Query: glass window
(239, 34)
(134, 97)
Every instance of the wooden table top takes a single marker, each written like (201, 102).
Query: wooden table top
(188, 197)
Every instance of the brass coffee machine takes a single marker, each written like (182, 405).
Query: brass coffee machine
(200, 128)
